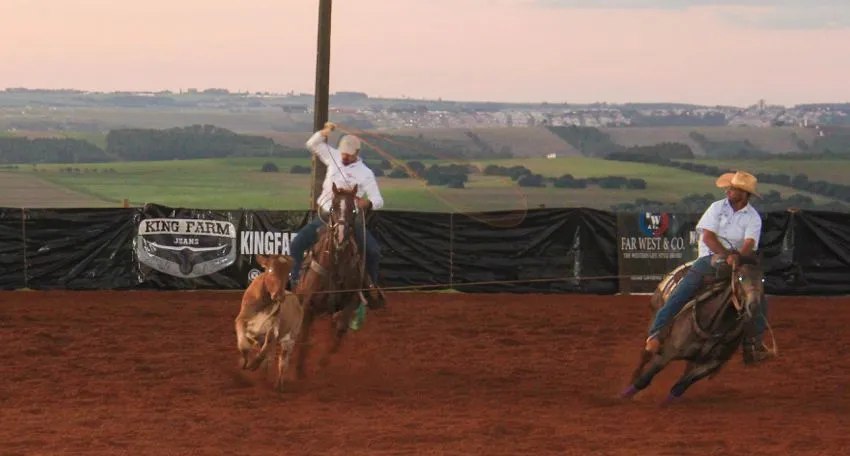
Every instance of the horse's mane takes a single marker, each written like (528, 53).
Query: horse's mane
(749, 260)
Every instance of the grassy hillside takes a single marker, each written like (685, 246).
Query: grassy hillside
(778, 140)
(835, 171)
(539, 141)
(239, 183)
(520, 141)
(104, 119)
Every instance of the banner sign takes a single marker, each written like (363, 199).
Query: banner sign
(184, 248)
(549, 251)
(652, 244)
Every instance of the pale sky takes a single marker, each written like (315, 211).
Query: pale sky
(698, 51)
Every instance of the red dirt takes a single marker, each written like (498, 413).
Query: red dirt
(156, 373)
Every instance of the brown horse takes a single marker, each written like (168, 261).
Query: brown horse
(332, 276)
(708, 330)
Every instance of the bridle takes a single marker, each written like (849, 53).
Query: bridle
(338, 224)
(736, 286)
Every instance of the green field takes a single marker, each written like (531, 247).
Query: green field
(239, 183)
(834, 171)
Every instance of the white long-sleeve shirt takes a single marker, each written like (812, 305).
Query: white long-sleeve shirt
(344, 176)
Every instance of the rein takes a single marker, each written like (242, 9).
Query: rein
(735, 301)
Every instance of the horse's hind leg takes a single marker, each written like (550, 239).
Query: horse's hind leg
(693, 374)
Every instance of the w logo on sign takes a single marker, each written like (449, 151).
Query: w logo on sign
(654, 224)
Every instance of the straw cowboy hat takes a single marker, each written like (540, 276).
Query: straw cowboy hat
(741, 180)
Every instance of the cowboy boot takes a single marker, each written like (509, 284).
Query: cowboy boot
(374, 297)
(653, 344)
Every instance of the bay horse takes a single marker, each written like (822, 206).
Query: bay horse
(709, 328)
(333, 274)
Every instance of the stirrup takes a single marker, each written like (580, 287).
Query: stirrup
(374, 297)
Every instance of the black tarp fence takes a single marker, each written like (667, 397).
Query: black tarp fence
(541, 251)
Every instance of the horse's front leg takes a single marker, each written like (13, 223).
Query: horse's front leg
(645, 357)
(302, 341)
(340, 326)
(693, 374)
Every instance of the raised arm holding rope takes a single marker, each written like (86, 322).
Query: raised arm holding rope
(732, 219)
(345, 170)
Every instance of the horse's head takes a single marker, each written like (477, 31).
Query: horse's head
(343, 214)
(277, 273)
(748, 283)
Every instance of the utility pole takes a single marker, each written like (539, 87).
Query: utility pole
(321, 94)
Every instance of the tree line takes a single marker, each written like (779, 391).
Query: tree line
(696, 203)
(209, 141)
(593, 142)
(19, 150)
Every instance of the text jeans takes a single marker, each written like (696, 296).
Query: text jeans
(308, 235)
(685, 291)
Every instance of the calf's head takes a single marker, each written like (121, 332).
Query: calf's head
(277, 273)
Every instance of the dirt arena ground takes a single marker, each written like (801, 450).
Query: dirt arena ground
(155, 373)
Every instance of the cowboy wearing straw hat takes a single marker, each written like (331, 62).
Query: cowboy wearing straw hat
(735, 221)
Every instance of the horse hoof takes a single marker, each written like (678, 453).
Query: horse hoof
(629, 392)
(670, 399)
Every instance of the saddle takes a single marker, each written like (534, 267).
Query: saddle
(711, 285)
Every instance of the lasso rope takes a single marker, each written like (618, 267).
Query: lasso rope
(522, 213)
(412, 173)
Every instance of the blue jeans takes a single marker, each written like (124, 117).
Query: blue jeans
(308, 235)
(685, 291)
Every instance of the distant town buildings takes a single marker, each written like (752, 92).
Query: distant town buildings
(385, 113)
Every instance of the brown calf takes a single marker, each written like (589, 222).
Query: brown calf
(269, 313)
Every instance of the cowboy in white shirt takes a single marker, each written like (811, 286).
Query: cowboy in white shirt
(345, 169)
(735, 221)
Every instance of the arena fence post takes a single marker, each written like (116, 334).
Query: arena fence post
(451, 249)
(24, 242)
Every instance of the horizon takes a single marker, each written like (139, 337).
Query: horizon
(231, 91)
